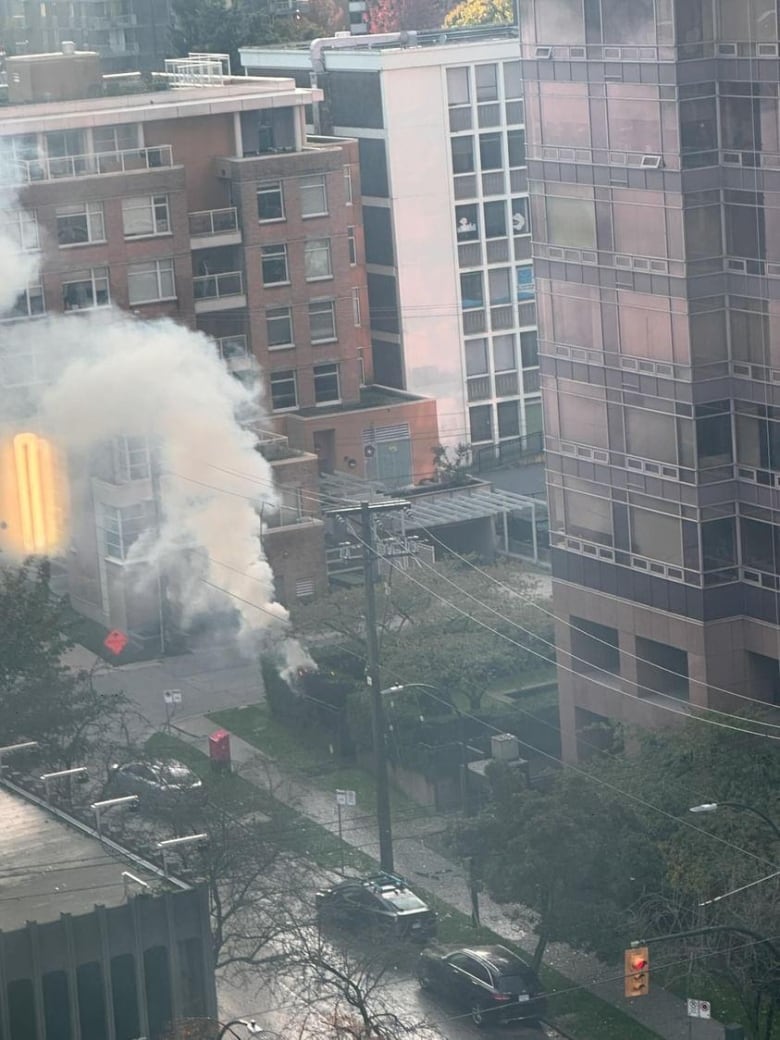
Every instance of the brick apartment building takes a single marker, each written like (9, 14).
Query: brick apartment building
(206, 203)
(653, 169)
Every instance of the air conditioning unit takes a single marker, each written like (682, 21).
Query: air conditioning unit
(505, 747)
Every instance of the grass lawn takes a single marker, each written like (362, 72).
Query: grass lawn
(582, 1015)
(304, 753)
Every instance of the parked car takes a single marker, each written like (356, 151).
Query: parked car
(381, 901)
(489, 981)
(157, 783)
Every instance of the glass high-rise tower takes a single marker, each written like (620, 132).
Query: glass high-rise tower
(654, 171)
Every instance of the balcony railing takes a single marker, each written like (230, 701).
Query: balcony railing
(214, 221)
(214, 286)
(125, 161)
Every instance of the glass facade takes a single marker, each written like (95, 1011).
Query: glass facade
(654, 195)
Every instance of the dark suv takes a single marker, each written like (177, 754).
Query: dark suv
(381, 901)
(489, 981)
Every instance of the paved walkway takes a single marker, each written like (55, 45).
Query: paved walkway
(660, 1011)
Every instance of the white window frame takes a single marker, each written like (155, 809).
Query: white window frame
(113, 522)
(356, 307)
(270, 188)
(22, 226)
(94, 223)
(318, 372)
(158, 269)
(132, 459)
(15, 312)
(290, 376)
(97, 280)
(280, 250)
(352, 246)
(116, 145)
(321, 306)
(313, 192)
(348, 185)
(155, 207)
(279, 314)
(314, 249)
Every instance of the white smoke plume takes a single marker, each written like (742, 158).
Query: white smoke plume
(17, 267)
(109, 375)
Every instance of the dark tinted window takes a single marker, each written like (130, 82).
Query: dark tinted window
(21, 1009)
(379, 235)
(92, 1001)
(373, 168)
(158, 990)
(515, 984)
(125, 997)
(382, 302)
(355, 99)
(56, 1006)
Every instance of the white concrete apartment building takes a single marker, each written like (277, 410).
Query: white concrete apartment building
(440, 122)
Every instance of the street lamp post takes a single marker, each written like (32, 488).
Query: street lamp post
(706, 807)
(25, 745)
(251, 1026)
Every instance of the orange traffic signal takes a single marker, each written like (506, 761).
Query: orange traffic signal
(637, 972)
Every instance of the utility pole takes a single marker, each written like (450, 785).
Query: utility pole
(378, 726)
(162, 579)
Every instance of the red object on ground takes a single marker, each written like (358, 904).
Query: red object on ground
(115, 641)
(219, 749)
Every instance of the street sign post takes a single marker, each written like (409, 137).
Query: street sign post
(348, 798)
(170, 699)
(699, 1008)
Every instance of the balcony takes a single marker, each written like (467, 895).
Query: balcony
(62, 167)
(214, 227)
(219, 292)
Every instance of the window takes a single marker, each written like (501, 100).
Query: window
(458, 86)
(486, 78)
(515, 140)
(151, 281)
(520, 224)
(86, 289)
(62, 143)
(745, 220)
(699, 131)
(351, 246)
(472, 293)
(314, 197)
(28, 303)
(77, 225)
(284, 391)
(467, 223)
(513, 79)
(504, 354)
(508, 414)
(495, 219)
(115, 138)
(500, 286)
(348, 185)
(529, 349)
(476, 357)
(123, 526)
(279, 327)
(270, 201)
(462, 154)
(91, 1001)
(21, 226)
(480, 423)
(274, 264)
(571, 222)
(131, 459)
(356, 307)
(316, 259)
(656, 536)
(326, 384)
(322, 320)
(490, 157)
(146, 215)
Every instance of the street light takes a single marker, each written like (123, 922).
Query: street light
(706, 807)
(25, 745)
(107, 803)
(79, 771)
(174, 843)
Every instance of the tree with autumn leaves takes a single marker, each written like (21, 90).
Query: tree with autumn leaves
(396, 15)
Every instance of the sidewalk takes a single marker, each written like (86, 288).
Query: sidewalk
(661, 1012)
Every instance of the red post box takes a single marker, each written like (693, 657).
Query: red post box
(219, 751)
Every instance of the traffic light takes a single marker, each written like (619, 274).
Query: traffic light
(32, 496)
(637, 971)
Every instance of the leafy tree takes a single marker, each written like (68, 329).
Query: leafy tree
(480, 12)
(395, 15)
(40, 697)
(452, 471)
(576, 858)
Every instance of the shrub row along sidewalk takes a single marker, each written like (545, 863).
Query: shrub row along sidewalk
(589, 1003)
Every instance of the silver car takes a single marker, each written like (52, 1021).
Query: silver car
(158, 783)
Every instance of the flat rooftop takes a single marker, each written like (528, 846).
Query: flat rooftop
(48, 868)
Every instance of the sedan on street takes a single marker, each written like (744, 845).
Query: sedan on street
(161, 784)
(491, 982)
(380, 901)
